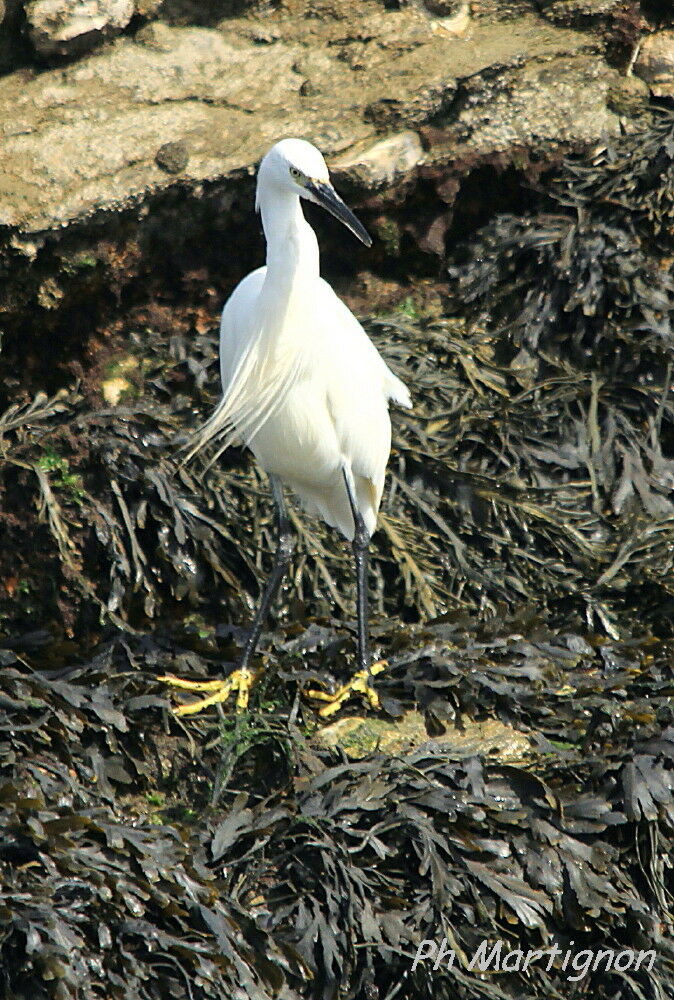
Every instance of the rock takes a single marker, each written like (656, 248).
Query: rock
(503, 10)
(359, 736)
(148, 8)
(144, 150)
(382, 164)
(655, 63)
(78, 141)
(578, 11)
(443, 8)
(156, 36)
(69, 27)
(457, 24)
(114, 388)
(172, 157)
(557, 100)
(395, 112)
(628, 97)
(107, 116)
(264, 34)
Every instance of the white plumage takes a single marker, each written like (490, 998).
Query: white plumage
(303, 385)
(305, 388)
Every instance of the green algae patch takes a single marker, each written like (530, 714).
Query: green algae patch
(358, 736)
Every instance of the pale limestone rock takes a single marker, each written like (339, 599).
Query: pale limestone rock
(655, 63)
(384, 163)
(68, 27)
(81, 140)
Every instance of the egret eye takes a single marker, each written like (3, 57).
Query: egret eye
(295, 173)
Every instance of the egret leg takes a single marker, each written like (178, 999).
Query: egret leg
(285, 546)
(242, 679)
(360, 545)
(361, 682)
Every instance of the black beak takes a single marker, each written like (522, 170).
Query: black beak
(324, 194)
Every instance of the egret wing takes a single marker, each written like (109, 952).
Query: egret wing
(349, 336)
(359, 386)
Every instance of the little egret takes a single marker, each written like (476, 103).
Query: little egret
(307, 391)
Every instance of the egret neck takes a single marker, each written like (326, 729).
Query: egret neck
(290, 283)
(292, 247)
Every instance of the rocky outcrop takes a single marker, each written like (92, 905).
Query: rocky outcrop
(86, 139)
(655, 63)
(67, 27)
(174, 111)
(578, 11)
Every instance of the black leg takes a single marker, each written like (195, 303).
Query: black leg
(360, 543)
(284, 549)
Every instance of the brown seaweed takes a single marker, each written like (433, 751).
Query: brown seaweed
(523, 571)
(324, 882)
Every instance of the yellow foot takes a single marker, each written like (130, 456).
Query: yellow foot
(360, 683)
(239, 680)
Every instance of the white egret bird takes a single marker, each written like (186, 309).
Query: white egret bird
(306, 390)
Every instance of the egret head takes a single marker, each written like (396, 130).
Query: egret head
(294, 165)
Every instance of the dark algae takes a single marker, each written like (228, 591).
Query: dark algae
(523, 572)
(132, 866)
